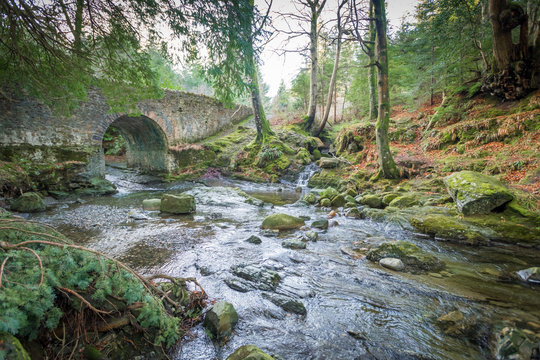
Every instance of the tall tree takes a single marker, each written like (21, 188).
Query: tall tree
(316, 7)
(514, 64)
(332, 85)
(387, 166)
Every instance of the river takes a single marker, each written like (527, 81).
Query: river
(355, 309)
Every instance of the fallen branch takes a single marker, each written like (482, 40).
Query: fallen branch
(80, 297)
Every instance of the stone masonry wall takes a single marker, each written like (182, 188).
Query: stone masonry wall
(30, 129)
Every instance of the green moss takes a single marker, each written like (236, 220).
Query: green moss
(249, 352)
(447, 227)
(282, 222)
(326, 177)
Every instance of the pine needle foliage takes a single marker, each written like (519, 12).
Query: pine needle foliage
(30, 307)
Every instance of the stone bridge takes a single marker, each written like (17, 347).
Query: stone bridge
(33, 132)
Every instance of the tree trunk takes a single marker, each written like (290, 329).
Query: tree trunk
(372, 76)
(511, 73)
(261, 123)
(315, 8)
(387, 166)
(331, 87)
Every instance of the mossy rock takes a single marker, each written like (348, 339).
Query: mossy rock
(324, 202)
(329, 193)
(448, 227)
(476, 193)
(387, 199)
(405, 201)
(303, 156)
(338, 201)
(320, 224)
(220, 320)
(411, 255)
(349, 198)
(310, 198)
(326, 177)
(282, 222)
(29, 202)
(294, 244)
(249, 352)
(11, 348)
(351, 192)
(177, 204)
(101, 186)
(373, 201)
(316, 154)
(329, 163)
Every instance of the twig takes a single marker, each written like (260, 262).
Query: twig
(2, 269)
(40, 264)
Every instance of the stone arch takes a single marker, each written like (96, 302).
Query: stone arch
(147, 144)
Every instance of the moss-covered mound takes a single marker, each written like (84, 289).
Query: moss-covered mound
(55, 293)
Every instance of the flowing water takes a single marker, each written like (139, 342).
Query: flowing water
(355, 309)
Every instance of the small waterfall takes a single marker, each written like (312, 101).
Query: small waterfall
(306, 174)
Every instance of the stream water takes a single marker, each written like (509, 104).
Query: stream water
(355, 309)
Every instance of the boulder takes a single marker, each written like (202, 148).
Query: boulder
(373, 201)
(351, 192)
(325, 202)
(476, 193)
(329, 163)
(177, 204)
(249, 352)
(28, 202)
(387, 199)
(293, 244)
(11, 348)
(392, 264)
(338, 201)
(413, 258)
(353, 212)
(100, 186)
(286, 303)
(254, 240)
(320, 224)
(151, 204)
(282, 222)
(310, 198)
(349, 199)
(220, 320)
(329, 193)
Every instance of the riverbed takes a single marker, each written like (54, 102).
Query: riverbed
(355, 308)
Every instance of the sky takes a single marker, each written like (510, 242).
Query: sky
(276, 67)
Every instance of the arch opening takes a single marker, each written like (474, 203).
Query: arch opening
(144, 141)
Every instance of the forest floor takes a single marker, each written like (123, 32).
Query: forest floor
(479, 134)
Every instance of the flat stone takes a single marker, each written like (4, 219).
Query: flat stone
(293, 244)
(392, 264)
(286, 303)
(329, 163)
(177, 204)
